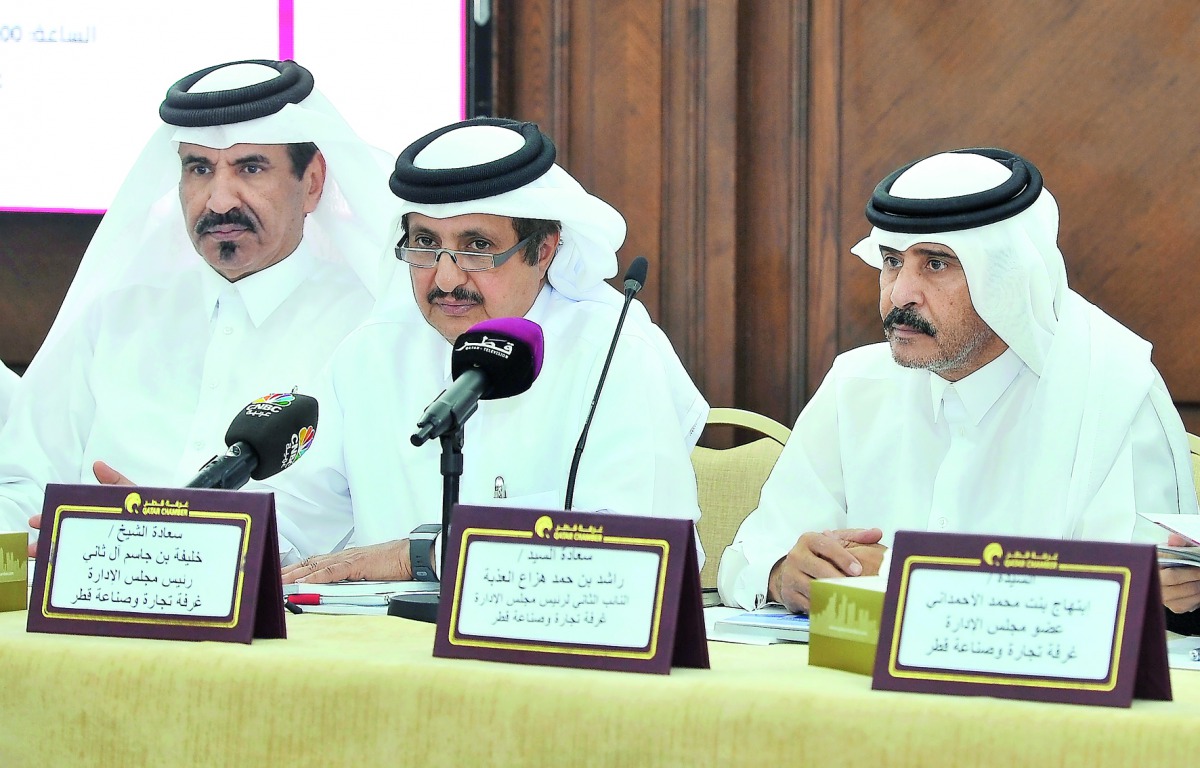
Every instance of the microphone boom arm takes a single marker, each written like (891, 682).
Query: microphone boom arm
(635, 278)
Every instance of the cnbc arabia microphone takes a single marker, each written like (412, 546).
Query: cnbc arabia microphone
(635, 278)
(494, 359)
(265, 438)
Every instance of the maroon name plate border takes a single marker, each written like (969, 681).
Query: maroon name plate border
(677, 625)
(257, 604)
(1138, 665)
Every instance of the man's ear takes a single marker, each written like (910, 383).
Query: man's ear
(547, 251)
(314, 179)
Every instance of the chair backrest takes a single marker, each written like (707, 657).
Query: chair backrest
(728, 482)
(1194, 445)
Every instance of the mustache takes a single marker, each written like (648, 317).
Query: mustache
(458, 294)
(909, 317)
(232, 216)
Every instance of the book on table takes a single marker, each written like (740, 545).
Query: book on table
(1176, 557)
(773, 623)
(354, 592)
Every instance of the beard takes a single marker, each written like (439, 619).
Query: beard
(955, 347)
(950, 356)
(226, 249)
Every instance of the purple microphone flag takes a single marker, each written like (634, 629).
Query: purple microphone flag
(516, 329)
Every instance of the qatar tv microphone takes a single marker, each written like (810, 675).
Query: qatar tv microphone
(265, 438)
(635, 279)
(492, 360)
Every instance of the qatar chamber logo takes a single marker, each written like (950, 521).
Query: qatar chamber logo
(298, 446)
(269, 404)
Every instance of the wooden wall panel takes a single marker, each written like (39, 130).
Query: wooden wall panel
(698, 236)
(642, 104)
(616, 123)
(825, 253)
(772, 209)
(531, 65)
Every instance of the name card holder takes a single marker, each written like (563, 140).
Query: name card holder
(163, 563)
(1043, 619)
(571, 589)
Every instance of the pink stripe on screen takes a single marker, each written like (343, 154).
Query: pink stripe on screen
(462, 86)
(287, 29)
(18, 209)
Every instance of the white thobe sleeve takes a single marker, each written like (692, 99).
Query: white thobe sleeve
(1145, 471)
(43, 440)
(805, 492)
(313, 509)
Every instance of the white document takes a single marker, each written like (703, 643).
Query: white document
(1183, 652)
(1187, 526)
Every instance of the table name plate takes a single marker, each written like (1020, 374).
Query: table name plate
(172, 563)
(572, 589)
(1024, 618)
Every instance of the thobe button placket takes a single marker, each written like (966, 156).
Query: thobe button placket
(948, 494)
(217, 377)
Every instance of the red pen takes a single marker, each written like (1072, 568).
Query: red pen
(310, 599)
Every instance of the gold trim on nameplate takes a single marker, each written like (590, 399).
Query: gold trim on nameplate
(455, 639)
(123, 619)
(1002, 678)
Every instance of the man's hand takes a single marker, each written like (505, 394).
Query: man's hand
(106, 475)
(1180, 586)
(35, 523)
(846, 552)
(379, 562)
(870, 556)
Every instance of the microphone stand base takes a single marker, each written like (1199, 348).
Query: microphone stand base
(415, 607)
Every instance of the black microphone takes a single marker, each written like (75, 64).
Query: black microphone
(494, 359)
(635, 278)
(267, 437)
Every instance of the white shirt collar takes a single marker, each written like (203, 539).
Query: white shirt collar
(263, 291)
(980, 390)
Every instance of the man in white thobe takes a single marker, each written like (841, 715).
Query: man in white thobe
(491, 228)
(1002, 402)
(241, 248)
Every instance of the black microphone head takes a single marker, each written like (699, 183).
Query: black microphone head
(635, 276)
(507, 349)
(279, 428)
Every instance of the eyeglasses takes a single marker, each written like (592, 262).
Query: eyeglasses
(467, 261)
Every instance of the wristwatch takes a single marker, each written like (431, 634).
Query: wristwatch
(420, 551)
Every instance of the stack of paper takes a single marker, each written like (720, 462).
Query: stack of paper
(1172, 557)
(351, 596)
